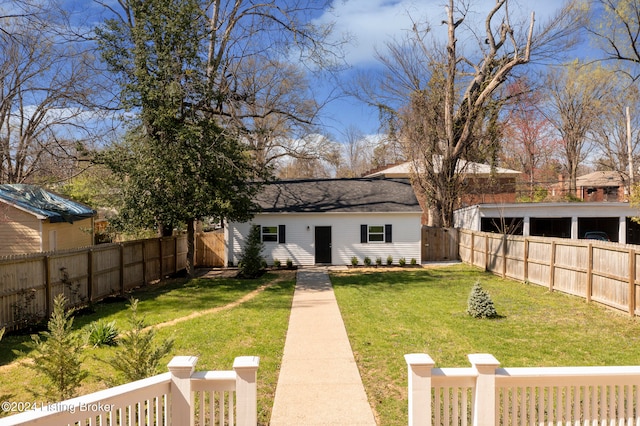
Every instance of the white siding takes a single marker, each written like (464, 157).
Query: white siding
(345, 235)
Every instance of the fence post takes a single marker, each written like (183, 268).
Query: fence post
(552, 266)
(484, 405)
(504, 255)
(181, 368)
(589, 272)
(486, 252)
(419, 368)
(246, 368)
(525, 260)
(121, 272)
(47, 286)
(632, 282)
(473, 247)
(175, 254)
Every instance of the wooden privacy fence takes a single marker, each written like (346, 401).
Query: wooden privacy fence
(210, 248)
(29, 283)
(600, 271)
(439, 244)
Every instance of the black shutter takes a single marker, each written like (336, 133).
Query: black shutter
(387, 234)
(282, 234)
(364, 233)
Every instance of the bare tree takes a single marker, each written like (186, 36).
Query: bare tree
(327, 165)
(254, 57)
(615, 27)
(357, 152)
(578, 94)
(447, 98)
(45, 96)
(610, 128)
(530, 141)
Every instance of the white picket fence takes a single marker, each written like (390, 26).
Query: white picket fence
(179, 397)
(486, 395)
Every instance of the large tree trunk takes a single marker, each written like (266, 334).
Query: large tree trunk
(191, 247)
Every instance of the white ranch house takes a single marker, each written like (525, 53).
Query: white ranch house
(330, 221)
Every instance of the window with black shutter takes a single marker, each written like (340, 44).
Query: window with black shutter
(375, 234)
(387, 234)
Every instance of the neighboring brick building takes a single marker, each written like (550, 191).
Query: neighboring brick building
(602, 186)
(483, 184)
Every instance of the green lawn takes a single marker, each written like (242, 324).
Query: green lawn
(389, 314)
(257, 327)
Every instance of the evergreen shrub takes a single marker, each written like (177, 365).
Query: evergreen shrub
(479, 304)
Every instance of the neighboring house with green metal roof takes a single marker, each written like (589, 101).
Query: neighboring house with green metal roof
(329, 221)
(35, 220)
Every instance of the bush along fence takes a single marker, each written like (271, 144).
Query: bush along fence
(487, 395)
(602, 272)
(29, 283)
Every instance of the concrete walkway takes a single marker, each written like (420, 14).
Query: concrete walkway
(319, 382)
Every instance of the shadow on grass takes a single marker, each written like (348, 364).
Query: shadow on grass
(437, 277)
(174, 295)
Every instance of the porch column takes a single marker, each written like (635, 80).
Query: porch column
(181, 368)
(574, 228)
(526, 226)
(484, 412)
(419, 369)
(622, 230)
(246, 368)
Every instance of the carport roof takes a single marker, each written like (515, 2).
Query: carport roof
(371, 195)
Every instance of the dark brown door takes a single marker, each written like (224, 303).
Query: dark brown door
(323, 244)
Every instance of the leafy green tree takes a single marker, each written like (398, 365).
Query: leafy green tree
(57, 354)
(251, 260)
(138, 355)
(179, 165)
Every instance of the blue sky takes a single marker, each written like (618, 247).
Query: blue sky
(371, 23)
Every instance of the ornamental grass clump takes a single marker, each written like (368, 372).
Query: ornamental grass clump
(479, 304)
(102, 333)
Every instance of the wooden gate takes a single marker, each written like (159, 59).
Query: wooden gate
(210, 249)
(439, 244)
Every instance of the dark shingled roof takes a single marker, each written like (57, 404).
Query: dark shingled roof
(371, 195)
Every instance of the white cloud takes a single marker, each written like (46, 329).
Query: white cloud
(372, 23)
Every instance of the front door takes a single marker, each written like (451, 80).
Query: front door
(323, 244)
